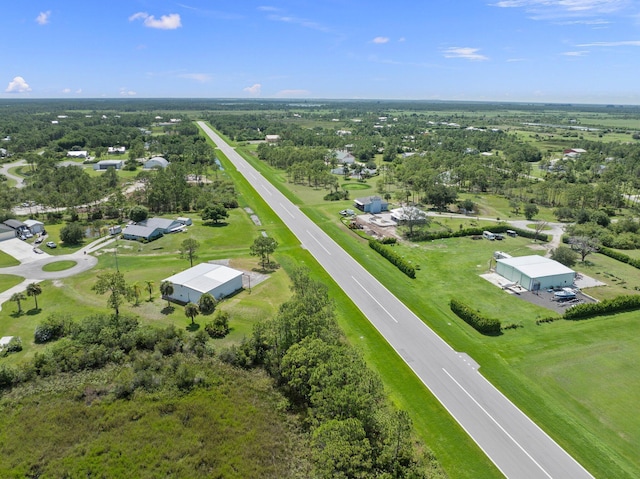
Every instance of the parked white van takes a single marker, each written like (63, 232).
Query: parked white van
(488, 235)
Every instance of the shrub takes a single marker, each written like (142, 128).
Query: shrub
(476, 320)
(54, 327)
(219, 327)
(607, 306)
(393, 257)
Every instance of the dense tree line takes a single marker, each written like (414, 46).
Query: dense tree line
(354, 431)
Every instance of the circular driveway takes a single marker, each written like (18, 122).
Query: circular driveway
(32, 272)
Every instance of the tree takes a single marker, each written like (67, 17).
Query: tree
(584, 245)
(191, 310)
(18, 297)
(72, 234)
(539, 226)
(114, 284)
(214, 213)
(149, 285)
(263, 246)
(530, 210)
(166, 290)
(219, 327)
(188, 250)
(138, 213)
(341, 449)
(136, 291)
(207, 303)
(413, 216)
(564, 255)
(34, 289)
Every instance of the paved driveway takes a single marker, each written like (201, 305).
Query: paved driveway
(21, 250)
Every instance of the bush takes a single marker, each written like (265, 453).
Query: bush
(477, 231)
(219, 327)
(477, 321)
(608, 306)
(54, 327)
(393, 257)
(72, 234)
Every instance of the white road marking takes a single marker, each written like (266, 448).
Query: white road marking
(497, 423)
(320, 244)
(265, 189)
(288, 212)
(377, 302)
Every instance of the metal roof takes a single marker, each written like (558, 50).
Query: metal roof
(204, 277)
(535, 266)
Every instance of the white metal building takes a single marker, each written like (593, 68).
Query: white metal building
(216, 279)
(535, 272)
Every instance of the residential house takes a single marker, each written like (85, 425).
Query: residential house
(150, 229)
(371, 204)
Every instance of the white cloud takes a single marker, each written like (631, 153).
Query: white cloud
(78, 91)
(380, 40)
(199, 77)
(43, 17)
(630, 43)
(126, 92)
(464, 52)
(553, 9)
(292, 93)
(165, 22)
(253, 90)
(18, 85)
(575, 54)
(66, 90)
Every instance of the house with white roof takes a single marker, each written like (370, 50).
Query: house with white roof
(216, 279)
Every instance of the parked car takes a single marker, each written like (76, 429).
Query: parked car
(51, 244)
(38, 240)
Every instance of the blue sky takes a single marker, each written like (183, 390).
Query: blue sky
(579, 51)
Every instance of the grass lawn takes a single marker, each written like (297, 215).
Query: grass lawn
(593, 432)
(9, 281)
(7, 260)
(59, 265)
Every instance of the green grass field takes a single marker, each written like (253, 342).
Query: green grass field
(59, 265)
(6, 260)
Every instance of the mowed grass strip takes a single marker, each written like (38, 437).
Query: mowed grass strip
(451, 267)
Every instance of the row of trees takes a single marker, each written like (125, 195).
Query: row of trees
(354, 431)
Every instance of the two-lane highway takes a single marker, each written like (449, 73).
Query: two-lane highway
(518, 447)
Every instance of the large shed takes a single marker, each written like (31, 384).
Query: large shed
(535, 272)
(216, 279)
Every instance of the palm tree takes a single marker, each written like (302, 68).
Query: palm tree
(136, 290)
(34, 290)
(191, 310)
(166, 289)
(149, 285)
(17, 297)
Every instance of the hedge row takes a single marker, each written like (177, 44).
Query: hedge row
(477, 231)
(479, 322)
(617, 255)
(395, 259)
(607, 306)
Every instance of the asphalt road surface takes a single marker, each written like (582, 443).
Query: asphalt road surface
(518, 447)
